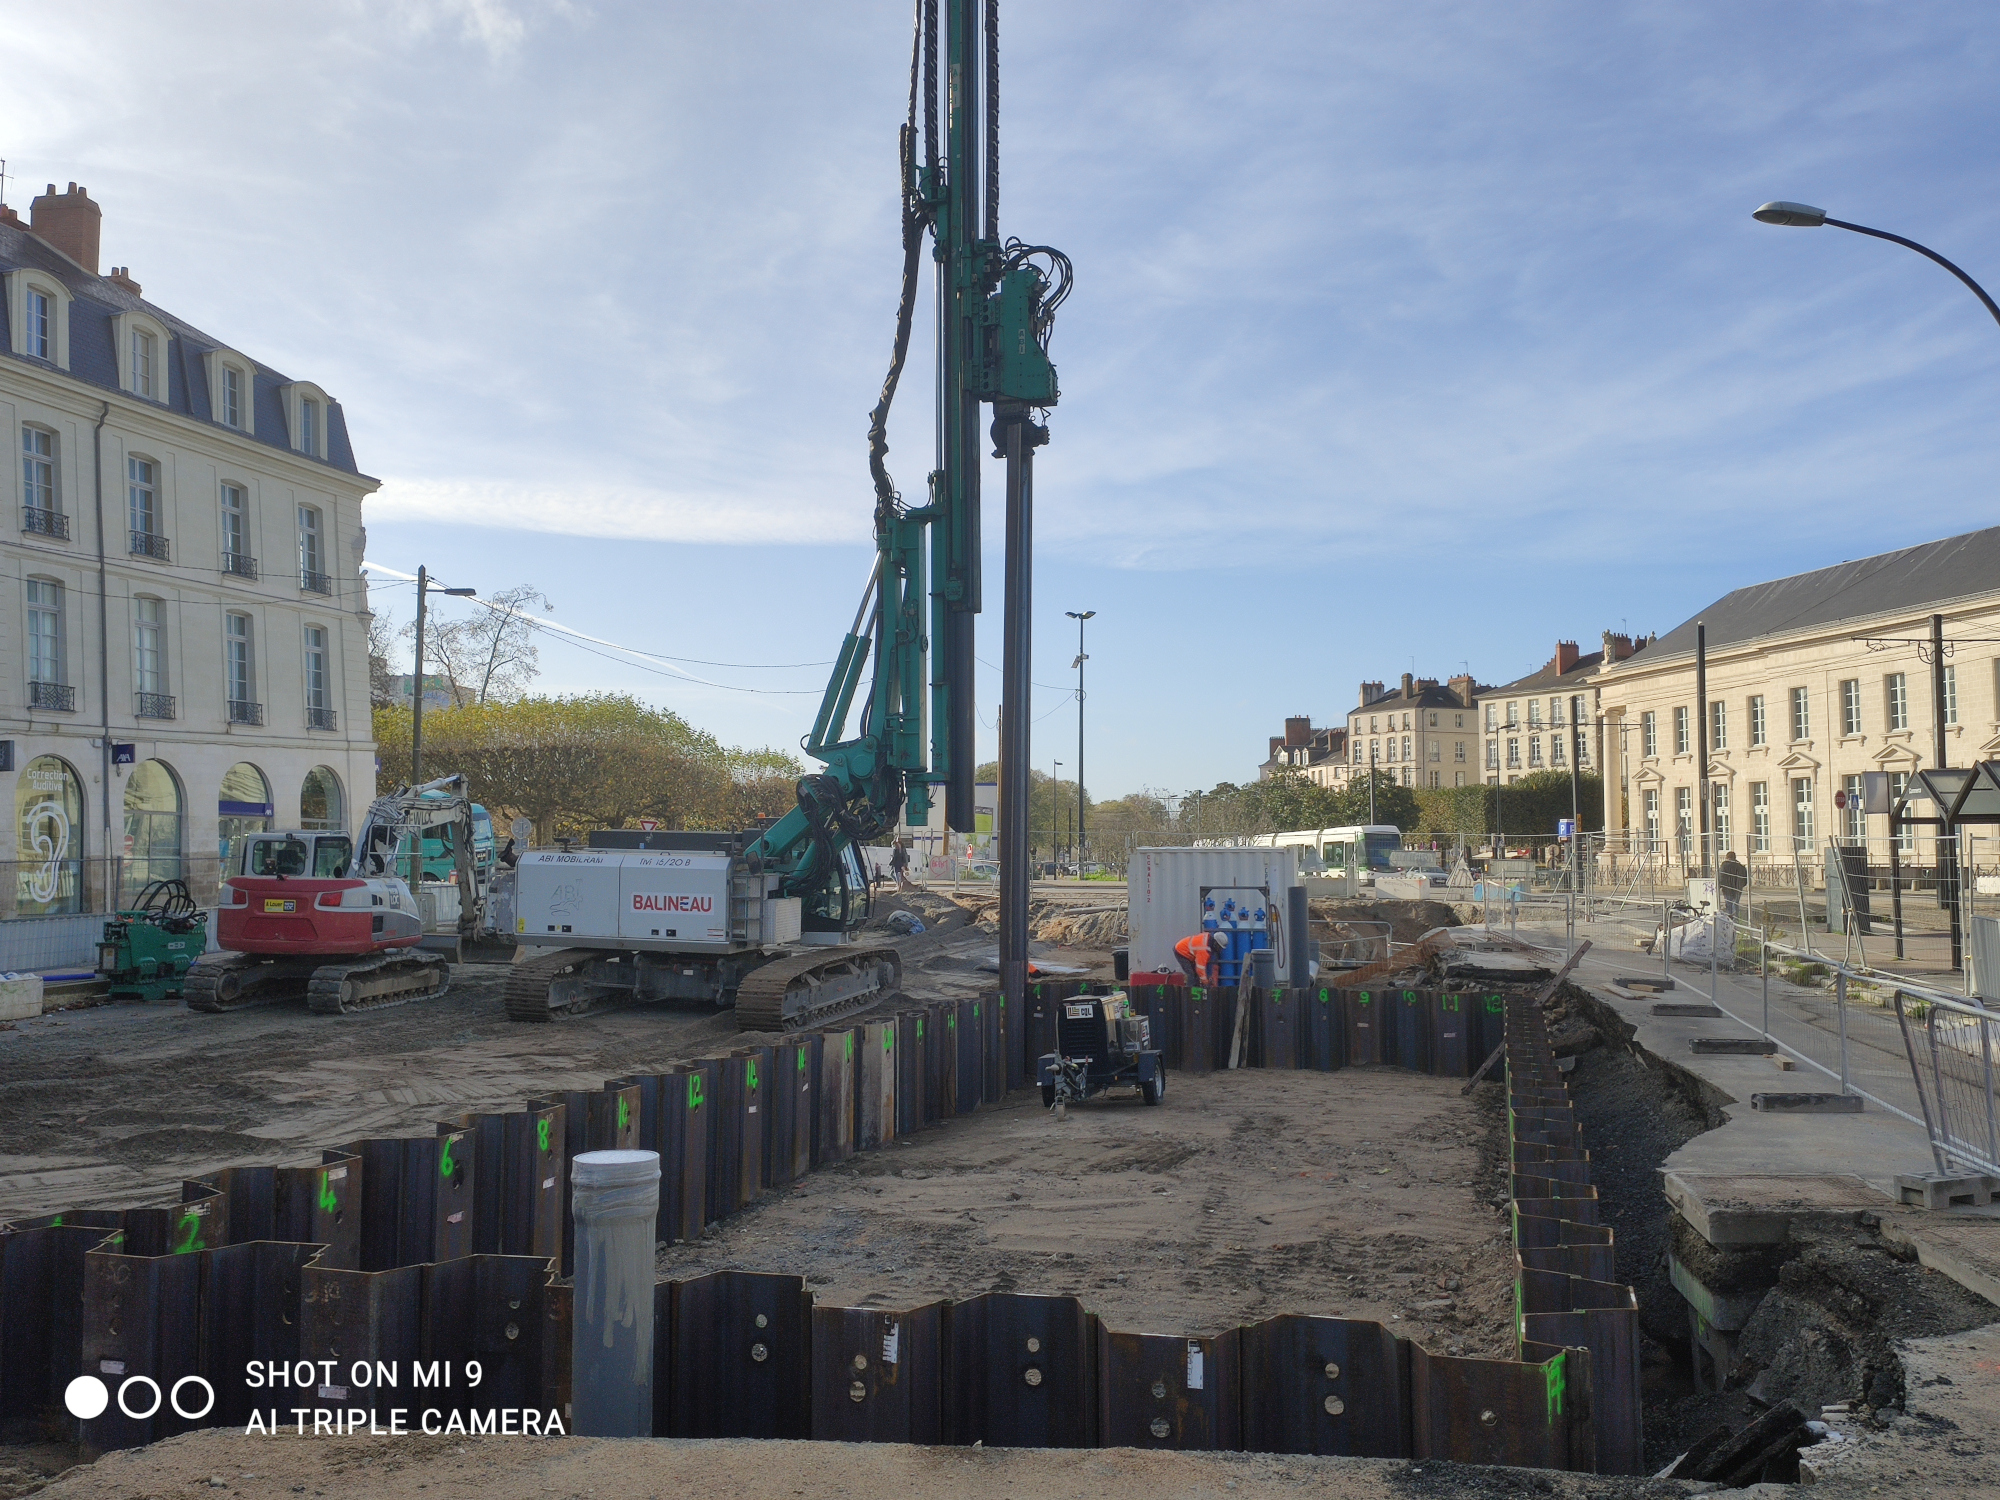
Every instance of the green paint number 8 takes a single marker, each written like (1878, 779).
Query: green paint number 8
(542, 1133)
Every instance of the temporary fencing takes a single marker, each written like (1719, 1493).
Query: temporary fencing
(392, 1258)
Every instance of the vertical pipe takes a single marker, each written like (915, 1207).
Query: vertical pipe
(110, 886)
(1895, 879)
(1082, 843)
(1016, 441)
(1764, 964)
(417, 685)
(1986, 1059)
(1840, 1006)
(1947, 872)
(1666, 945)
(615, 1202)
(1714, 951)
(1701, 757)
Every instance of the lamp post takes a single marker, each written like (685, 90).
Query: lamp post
(1088, 614)
(1805, 216)
(1055, 826)
(424, 588)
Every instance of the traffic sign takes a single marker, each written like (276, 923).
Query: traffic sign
(1840, 799)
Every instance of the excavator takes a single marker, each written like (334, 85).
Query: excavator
(318, 915)
(769, 920)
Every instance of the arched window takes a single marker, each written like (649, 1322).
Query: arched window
(152, 827)
(48, 810)
(244, 807)
(321, 803)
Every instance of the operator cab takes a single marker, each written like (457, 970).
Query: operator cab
(295, 856)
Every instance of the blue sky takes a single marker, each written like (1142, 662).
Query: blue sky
(1405, 336)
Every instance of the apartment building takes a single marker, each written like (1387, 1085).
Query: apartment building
(1813, 680)
(1423, 733)
(1314, 753)
(183, 621)
(1548, 720)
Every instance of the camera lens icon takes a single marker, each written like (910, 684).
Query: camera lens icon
(87, 1398)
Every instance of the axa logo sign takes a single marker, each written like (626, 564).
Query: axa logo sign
(656, 901)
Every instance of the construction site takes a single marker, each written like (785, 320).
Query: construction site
(858, 1142)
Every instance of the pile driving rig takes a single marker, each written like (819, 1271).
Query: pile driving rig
(319, 915)
(768, 920)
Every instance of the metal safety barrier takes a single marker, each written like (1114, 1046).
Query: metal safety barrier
(324, 1295)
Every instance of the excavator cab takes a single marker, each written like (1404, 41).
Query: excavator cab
(297, 856)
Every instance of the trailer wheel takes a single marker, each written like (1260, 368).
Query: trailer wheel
(1154, 1089)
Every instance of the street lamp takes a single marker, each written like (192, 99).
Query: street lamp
(1088, 614)
(425, 588)
(1805, 216)
(1055, 796)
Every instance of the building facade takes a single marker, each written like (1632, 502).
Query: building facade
(1423, 733)
(1548, 720)
(183, 621)
(1319, 754)
(1813, 681)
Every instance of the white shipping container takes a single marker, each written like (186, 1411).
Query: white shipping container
(1165, 887)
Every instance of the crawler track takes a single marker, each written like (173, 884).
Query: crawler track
(530, 983)
(784, 994)
(386, 979)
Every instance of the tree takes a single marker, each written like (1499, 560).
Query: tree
(382, 686)
(571, 765)
(490, 654)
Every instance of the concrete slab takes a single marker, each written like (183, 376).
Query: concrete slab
(1965, 1248)
(1757, 1208)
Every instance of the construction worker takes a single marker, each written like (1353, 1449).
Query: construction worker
(1200, 956)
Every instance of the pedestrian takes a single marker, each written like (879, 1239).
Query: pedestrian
(1730, 880)
(899, 866)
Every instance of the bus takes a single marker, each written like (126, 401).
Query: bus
(1345, 857)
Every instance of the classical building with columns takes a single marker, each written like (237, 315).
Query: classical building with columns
(1813, 680)
(183, 622)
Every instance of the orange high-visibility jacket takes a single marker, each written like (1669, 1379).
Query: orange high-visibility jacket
(1197, 950)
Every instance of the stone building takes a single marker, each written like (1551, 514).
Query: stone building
(1813, 680)
(1548, 720)
(1315, 753)
(183, 622)
(1423, 733)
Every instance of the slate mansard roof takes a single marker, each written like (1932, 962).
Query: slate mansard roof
(1913, 580)
(93, 359)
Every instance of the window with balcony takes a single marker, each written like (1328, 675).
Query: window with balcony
(1757, 734)
(1493, 714)
(41, 503)
(1534, 748)
(1513, 715)
(149, 659)
(1801, 714)
(1850, 706)
(1406, 748)
(1492, 755)
(236, 556)
(319, 681)
(1760, 817)
(240, 671)
(312, 555)
(142, 508)
(1556, 756)
(1513, 755)
(1896, 692)
(1649, 734)
(1681, 729)
(48, 678)
(1534, 713)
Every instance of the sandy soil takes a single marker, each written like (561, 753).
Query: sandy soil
(259, 1468)
(1365, 1194)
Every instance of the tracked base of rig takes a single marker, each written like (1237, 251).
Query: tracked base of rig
(377, 982)
(816, 986)
(237, 981)
(550, 987)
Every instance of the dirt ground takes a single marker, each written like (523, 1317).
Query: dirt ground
(262, 1468)
(1364, 1194)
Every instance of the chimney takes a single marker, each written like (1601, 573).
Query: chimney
(1616, 647)
(70, 222)
(1408, 683)
(122, 276)
(1370, 691)
(1566, 655)
(8, 216)
(1298, 731)
(1461, 688)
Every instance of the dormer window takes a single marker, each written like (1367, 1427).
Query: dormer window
(305, 413)
(143, 346)
(38, 317)
(231, 390)
(232, 397)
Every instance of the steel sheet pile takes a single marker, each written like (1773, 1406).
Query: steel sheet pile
(449, 1249)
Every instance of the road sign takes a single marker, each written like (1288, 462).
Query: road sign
(649, 825)
(1566, 828)
(1840, 799)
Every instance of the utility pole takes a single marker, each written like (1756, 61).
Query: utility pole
(1088, 614)
(1055, 821)
(1701, 710)
(417, 679)
(1371, 785)
(1948, 861)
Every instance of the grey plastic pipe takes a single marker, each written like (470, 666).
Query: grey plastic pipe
(616, 1203)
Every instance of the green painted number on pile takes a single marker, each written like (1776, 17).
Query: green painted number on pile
(1555, 1379)
(750, 1074)
(1448, 1002)
(694, 1091)
(329, 1200)
(889, 1040)
(802, 1059)
(444, 1157)
(189, 1230)
(624, 1111)
(542, 1133)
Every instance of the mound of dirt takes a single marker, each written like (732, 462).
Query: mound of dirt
(1408, 920)
(1063, 923)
